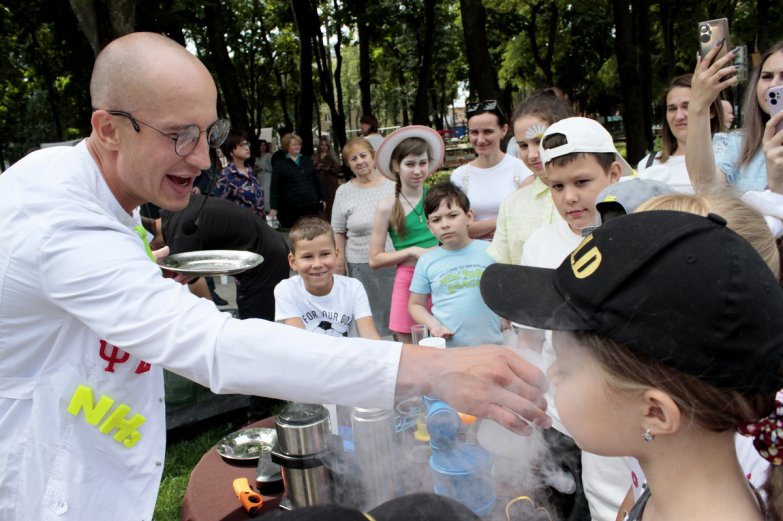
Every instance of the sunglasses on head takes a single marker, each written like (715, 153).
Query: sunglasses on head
(478, 107)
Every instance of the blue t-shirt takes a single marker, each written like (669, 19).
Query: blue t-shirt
(452, 277)
(752, 176)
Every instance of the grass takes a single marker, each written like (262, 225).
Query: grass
(182, 454)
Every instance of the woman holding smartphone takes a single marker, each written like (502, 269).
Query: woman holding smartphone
(676, 103)
(748, 159)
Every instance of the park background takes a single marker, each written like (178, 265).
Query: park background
(318, 65)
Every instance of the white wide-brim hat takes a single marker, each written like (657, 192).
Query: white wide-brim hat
(434, 142)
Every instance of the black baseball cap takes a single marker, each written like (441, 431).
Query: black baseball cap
(678, 287)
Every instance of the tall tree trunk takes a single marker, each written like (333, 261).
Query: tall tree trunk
(364, 55)
(339, 130)
(544, 62)
(630, 87)
(641, 11)
(226, 73)
(762, 25)
(282, 96)
(421, 111)
(103, 21)
(435, 103)
(667, 27)
(481, 71)
(323, 63)
(304, 120)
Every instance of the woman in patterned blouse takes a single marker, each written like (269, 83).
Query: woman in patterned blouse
(237, 182)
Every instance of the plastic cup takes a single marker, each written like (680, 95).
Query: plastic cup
(433, 341)
(418, 333)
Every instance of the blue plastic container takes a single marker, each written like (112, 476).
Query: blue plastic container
(463, 474)
(443, 423)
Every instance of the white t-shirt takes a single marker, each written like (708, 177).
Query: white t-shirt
(548, 246)
(86, 324)
(678, 173)
(487, 187)
(333, 314)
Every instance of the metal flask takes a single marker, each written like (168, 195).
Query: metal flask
(373, 435)
(303, 441)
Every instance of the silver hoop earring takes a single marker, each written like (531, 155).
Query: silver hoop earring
(647, 437)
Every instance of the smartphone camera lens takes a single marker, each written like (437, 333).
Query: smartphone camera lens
(705, 33)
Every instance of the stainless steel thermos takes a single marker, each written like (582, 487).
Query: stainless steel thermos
(373, 435)
(303, 434)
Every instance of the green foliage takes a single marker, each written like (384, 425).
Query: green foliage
(181, 457)
(437, 177)
(42, 90)
(46, 61)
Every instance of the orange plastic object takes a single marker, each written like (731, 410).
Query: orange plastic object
(467, 419)
(251, 501)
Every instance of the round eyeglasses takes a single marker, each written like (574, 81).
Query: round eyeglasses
(186, 138)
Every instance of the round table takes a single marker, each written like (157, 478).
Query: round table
(210, 494)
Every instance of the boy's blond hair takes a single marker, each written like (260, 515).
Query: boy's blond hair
(308, 228)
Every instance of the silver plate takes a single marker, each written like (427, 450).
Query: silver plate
(247, 444)
(211, 262)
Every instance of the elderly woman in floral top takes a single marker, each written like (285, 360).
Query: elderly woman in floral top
(237, 182)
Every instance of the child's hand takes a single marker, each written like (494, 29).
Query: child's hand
(441, 331)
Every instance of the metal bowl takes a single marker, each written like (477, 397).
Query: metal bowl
(247, 444)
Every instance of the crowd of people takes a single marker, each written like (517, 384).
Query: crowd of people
(651, 298)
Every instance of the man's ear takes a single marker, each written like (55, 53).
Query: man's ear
(662, 415)
(291, 261)
(105, 129)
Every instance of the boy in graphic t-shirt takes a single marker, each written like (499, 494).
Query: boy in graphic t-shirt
(451, 273)
(316, 299)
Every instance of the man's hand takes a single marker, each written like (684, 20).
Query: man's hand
(486, 381)
(168, 274)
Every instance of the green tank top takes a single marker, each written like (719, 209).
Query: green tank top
(416, 233)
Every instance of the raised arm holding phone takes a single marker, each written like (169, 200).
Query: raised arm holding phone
(750, 159)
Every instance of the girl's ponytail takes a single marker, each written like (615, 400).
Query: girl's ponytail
(397, 220)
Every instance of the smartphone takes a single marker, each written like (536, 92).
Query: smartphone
(710, 33)
(775, 103)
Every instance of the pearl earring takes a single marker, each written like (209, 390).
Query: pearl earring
(647, 437)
